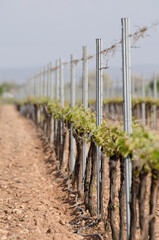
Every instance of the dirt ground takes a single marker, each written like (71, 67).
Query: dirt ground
(33, 203)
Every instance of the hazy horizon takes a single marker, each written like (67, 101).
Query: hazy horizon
(20, 75)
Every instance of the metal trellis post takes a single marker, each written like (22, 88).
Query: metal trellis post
(61, 82)
(99, 111)
(84, 101)
(143, 104)
(51, 83)
(56, 94)
(155, 97)
(57, 81)
(61, 101)
(127, 104)
(45, 82)
(41, 83)
(51, 97)
(47, 79)
(72, 75)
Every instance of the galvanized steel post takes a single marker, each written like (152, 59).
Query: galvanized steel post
(127, 104)
(62, 102)
(45, 93)
(41, 83)
(51, 83)
(45, 82)
(34, 85)
(61, 82)
(57, 93)
(72, 76)
(38, 95)
(37, 88)
(37, 79)
(84, 102)
(31, 87)
(99, 111)
(155, 97)
(48, 80)
(57, 80)
(51, 98)
(143, 104)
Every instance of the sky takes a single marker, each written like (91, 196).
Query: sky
(35, 32)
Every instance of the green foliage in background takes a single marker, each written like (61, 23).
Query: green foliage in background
(151, 83)
(7, 87)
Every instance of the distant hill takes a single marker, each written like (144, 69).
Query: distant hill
(20, 75)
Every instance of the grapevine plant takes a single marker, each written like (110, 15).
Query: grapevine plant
(142, 145)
